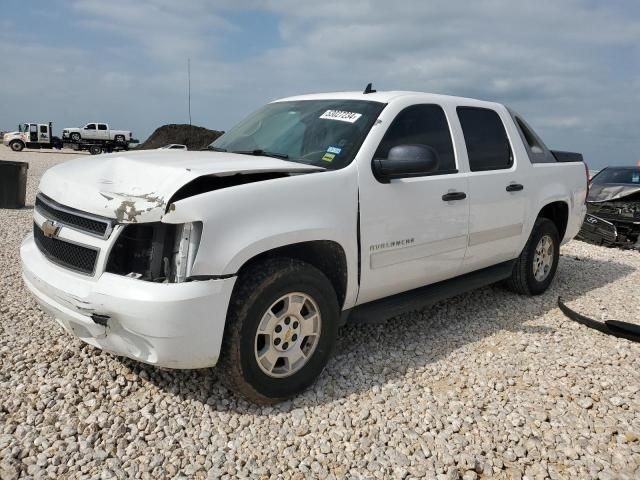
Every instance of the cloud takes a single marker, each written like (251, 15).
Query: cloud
(572, 68)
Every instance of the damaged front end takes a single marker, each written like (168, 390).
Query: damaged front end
(613, 214)
(612, 224)
(155, 252)
(126, 287)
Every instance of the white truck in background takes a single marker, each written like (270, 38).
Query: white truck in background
(40, 136)
(32, 135)
(96, 131)
(313, 211)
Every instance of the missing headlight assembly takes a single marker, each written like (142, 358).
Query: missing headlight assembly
(156, 252)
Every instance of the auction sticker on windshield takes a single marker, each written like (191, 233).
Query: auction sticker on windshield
(341, 115)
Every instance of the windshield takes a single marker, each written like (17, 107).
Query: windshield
(327, 133)
(620, 176)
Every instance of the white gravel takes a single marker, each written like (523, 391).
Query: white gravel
(486, 385)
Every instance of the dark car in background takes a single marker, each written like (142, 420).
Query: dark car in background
(613, 208)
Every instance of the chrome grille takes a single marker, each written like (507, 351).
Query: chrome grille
(69, 255)
(92, 224)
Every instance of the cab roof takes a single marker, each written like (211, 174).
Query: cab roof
(390, 96)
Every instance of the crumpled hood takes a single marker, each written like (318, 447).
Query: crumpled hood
(611, 191)
(136, 186)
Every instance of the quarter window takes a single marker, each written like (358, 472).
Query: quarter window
(422, 125)
(488, 147)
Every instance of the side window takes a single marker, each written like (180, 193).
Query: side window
(487, 143)
(43, 129)
(529, 137)
(423, 125)
(102, 126)
(90, 126)
(536, 149)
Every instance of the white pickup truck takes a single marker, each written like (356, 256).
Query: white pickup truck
(96, 131)
(314, 210)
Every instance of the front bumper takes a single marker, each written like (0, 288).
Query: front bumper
(178, 325)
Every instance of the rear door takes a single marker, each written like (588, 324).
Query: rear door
(497, 188)
(410, 235)
(102, 133)
(44, 135)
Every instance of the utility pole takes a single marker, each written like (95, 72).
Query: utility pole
(189, 87)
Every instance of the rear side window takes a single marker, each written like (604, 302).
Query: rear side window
(529, 137)
(102, 126)
(536, 149)
(43, 129)
(488, 147)
(422, 125)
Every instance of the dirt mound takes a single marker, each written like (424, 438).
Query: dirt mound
(195, 138)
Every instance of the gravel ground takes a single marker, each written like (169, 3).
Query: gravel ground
(485, 385)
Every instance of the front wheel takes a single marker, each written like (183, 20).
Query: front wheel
(537, 264)
(119, 138)
(281, 327)
(16, 145)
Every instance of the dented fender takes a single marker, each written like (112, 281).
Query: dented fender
(247, 220)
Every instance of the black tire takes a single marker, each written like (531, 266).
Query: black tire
(522, 278)
(75, 137)
(95, 149)
(16, 145)
(119, 138)
(256, 290)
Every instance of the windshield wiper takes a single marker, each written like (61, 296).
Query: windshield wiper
(262, 153)
(216, 149)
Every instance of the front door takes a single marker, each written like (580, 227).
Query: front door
(89, 131)
(33, 133)
(413, 230)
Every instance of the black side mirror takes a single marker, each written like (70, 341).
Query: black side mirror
(406, 161)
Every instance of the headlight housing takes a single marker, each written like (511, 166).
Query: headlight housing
(156, 252)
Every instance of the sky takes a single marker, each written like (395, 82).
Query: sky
(570, 67)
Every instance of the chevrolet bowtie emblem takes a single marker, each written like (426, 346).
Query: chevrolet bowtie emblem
(50, 229)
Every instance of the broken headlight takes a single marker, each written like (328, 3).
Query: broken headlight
(156, 252)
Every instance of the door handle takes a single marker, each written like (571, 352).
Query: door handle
(514, 187)
(447, 197)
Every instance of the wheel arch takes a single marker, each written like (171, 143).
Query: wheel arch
(558, 213)
(328, 256)
(18, 140)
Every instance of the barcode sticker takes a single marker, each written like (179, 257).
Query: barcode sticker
(342, 116)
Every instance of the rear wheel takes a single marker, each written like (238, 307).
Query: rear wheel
(535, 268)
(95, 149)
(281, 327)
(75, 137)
(16, 145)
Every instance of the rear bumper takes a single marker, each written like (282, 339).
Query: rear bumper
(167, 325)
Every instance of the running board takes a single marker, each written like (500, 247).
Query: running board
(380, 310)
